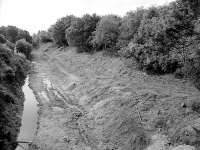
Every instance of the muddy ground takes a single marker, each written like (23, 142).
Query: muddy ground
(95, 102)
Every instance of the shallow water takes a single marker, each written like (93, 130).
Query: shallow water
(29, 117)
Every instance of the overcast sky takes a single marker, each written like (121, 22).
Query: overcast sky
(34, 15)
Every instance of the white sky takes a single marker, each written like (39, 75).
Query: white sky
(34, 15)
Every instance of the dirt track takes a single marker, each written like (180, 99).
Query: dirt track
(93, 102)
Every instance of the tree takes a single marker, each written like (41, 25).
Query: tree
(59, 28)
(107, 31)
(80, 31)
(194, 6)
(90, 23)
(23, 34)
(130, 24)
(184, 30)
(12, 33)
(44, 37)
(75, 33)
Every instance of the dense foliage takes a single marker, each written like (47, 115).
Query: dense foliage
(58, 30)
(75, 33)
(2, 39)
(44, 36)
(13, 71)
(80, 31)
(90, 23)
(129, 26)
(107, 32)
(35, 40)
(22, 46)
(166, 39)
(13, 34)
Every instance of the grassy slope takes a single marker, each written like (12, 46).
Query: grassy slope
(108, 106)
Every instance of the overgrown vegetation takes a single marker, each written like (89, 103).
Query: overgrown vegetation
(2, 39)
(19, 40)
(12, 74)
(59, 28)
(13, 71)
(160, 40)
(12, 34)
(80, 32)
(107, 31)
(22, 46)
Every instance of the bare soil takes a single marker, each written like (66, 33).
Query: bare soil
(95, 102)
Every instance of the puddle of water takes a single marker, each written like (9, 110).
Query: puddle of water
(29, 117)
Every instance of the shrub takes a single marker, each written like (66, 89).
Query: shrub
(10, 45)
(35, 40)
(22, 46)
(11, 66)
(2, 39)
(13, 72)
(196, 71)
(164, 41)
(152, 44)
(44, 37)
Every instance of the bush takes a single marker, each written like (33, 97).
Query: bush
(10, 45)
(22, 46)
(160, 46)
(44, 37)
(2, 39)
(13, 72)
(35, 40)
(148, 60)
